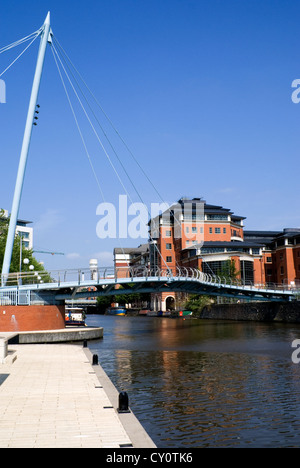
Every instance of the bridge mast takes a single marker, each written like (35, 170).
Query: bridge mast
(25, 148)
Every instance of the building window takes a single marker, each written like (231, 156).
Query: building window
(269, 259)
(168, 234)
(224, 230)
(187, 229)
(194, 229)
(187, 242)
(201, 230)
(281, 270)
(217, 230)
(169, 259)
(23, 234)
(168, 246)
(217, 216)
(210, 230)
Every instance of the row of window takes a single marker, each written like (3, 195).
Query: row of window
(195, 229)
(201, 217)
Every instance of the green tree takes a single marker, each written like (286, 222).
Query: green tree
(228, 271)
(196, 302)
(103, 302)
(29, 276)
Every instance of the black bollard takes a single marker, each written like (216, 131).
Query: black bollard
(85, 344)
(123, 403)
(95, 359)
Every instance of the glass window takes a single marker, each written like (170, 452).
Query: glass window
(217, 216)
(169, 259)
(217, 230)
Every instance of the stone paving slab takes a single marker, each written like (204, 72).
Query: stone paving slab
(50, 397)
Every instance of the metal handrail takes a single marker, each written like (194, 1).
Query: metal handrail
(86, 275)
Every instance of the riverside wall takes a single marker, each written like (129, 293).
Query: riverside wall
(287, 312)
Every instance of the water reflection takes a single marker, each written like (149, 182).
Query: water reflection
(206, 384)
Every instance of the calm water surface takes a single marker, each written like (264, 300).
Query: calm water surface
(202, 383)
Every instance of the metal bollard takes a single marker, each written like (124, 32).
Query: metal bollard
(95, 359)
(85, 343)
(123, 403)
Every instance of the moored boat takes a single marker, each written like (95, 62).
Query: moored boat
(151, 313)
(120, 311)
(182, 313)
(144, 311)
(74, 316)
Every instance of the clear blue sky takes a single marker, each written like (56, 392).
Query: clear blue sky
(199, 90)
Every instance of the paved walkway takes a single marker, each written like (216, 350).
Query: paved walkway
(51, 397)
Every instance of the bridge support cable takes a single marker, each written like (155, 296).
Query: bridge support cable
(55, 56)
(69, 64)
(107, 118)
(101, 144)
(20, 55)
(21, 41)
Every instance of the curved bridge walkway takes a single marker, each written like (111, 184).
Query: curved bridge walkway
(31, 288)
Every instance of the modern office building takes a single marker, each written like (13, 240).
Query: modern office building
(24, 230)
(194, 233)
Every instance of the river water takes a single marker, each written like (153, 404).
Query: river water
(202, 383)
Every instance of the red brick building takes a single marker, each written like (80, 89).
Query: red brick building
(193, 233)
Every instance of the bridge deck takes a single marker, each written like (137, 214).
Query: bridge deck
(78, 284)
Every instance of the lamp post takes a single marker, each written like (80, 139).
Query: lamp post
(26, 262)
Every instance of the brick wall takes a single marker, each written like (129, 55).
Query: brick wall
(32, 318)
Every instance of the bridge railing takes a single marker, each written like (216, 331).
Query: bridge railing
(84, 276)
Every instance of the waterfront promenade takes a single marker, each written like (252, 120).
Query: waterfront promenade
(52, 396)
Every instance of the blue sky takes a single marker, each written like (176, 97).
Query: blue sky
(199, 90)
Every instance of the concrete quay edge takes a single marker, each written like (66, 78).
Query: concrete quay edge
(37, 402)
(57, 336)
(136, 432)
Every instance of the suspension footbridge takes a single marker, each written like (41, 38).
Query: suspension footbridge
(61, 285)
(58, 286)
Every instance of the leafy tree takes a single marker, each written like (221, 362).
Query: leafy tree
(103, 302)
(196, 302)
(31, 276)
(228, 271)
(135, 298)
